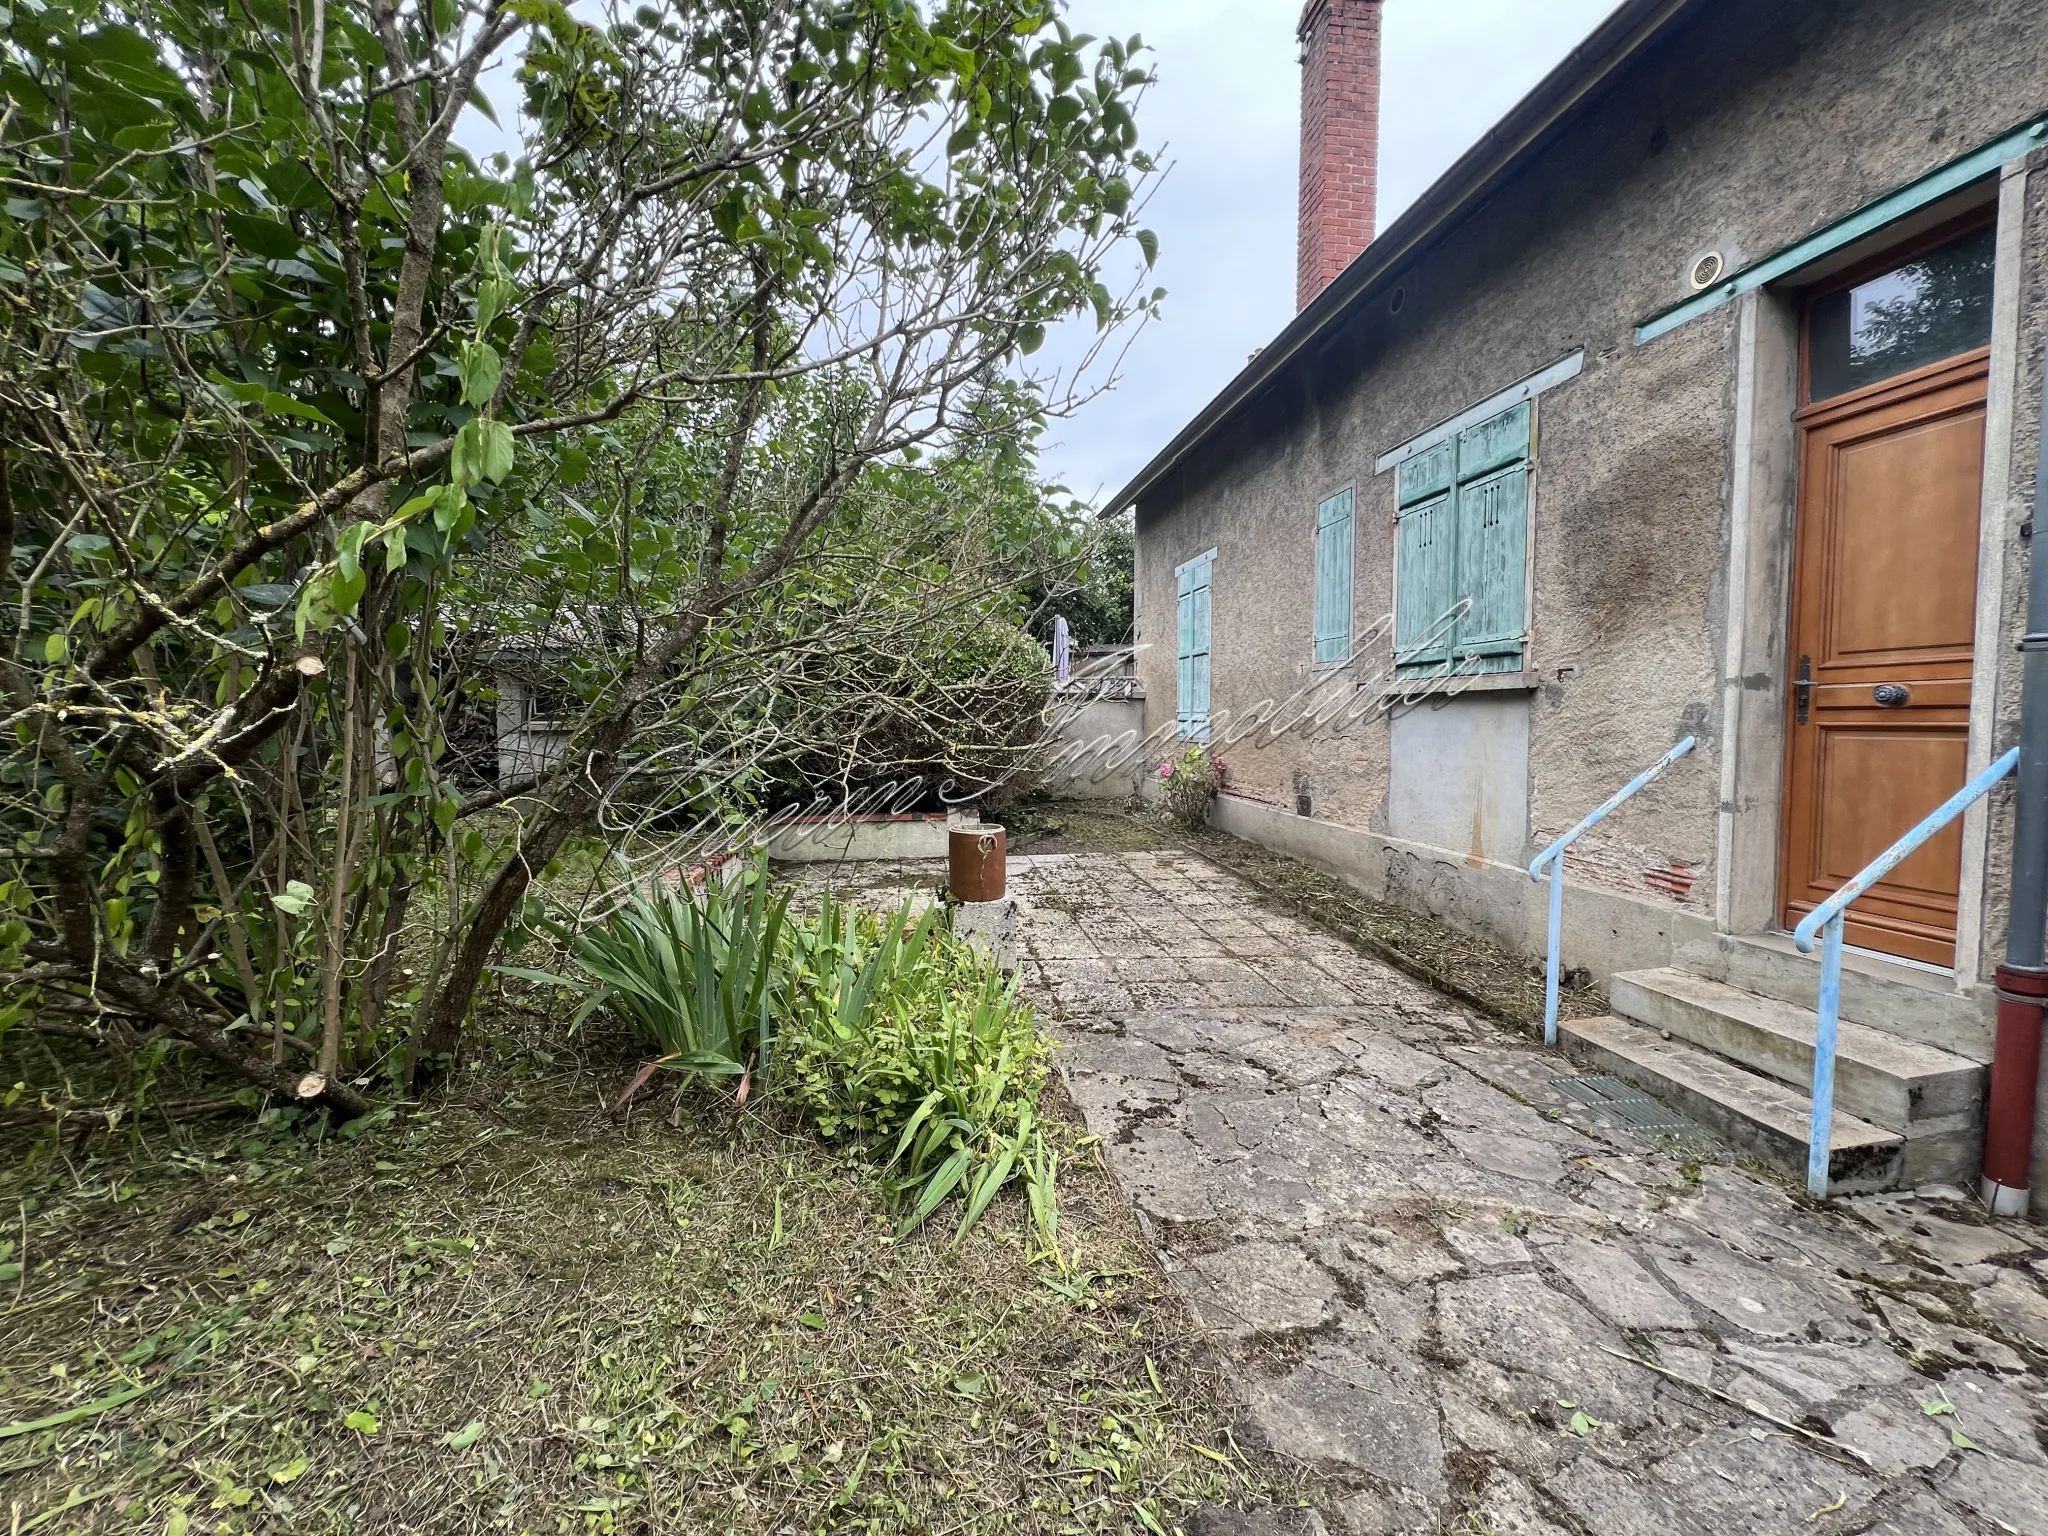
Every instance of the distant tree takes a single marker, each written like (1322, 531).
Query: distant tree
(1100, 607)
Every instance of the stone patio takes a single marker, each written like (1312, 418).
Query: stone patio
(1480, 1306)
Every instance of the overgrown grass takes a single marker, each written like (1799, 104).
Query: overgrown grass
(516, 1314)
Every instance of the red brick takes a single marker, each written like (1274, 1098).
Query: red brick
(1340, 102)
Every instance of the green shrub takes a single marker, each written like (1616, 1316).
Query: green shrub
(888, 1033)
(700, 977)
(911, 1043)
(1188, 783)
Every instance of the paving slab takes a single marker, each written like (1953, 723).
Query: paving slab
(1413, 1252)
(1617, 1287)
(2011, 1494)
(1260, 1290)
(2017, 1301)
(1339, 1409)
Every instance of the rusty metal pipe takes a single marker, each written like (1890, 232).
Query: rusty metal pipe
(2023, 979)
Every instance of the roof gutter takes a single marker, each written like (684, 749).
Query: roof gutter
(1634, 26)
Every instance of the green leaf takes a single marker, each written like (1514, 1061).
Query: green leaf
(480, 369)
(572, 464)
(465, 460)
(496, 460)
(492, 295)
(348, 550)
(1030, 338)
(1584, 1423)
(55, 647)
(1961, 1441)
(291, 1471)
(450, 503)
(347, 589)
(462, 1439)
(295, 899)
(275, 404)
(394, 551)
(1148, 243)
(363, 1422)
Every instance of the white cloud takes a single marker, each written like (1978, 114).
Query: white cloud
(1226, 109)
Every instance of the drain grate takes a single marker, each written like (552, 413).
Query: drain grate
(1625, 1102)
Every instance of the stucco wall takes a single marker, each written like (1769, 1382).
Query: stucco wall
(1765, 122)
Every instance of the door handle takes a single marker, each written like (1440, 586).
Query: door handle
(1890, 695)
(1802, 690)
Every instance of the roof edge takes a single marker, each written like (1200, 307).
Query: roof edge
(1632, 27)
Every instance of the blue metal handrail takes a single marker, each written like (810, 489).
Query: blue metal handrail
(1830, 915)
(1554, 857)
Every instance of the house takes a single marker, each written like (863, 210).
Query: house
(1700, 398)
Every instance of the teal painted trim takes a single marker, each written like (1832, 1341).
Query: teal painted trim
(1931, 188)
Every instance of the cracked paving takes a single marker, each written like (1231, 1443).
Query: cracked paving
(1444, 1283)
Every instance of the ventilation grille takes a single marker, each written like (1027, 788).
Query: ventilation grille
(1625, 1103)
(1706, 270)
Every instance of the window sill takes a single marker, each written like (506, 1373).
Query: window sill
(1525, 681)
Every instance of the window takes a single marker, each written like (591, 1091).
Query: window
(1460, 551)
(1193, 713)
(1937, 305)
(547, 708)
(1333, 579)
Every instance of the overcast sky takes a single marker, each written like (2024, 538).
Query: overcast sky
(1226, 111)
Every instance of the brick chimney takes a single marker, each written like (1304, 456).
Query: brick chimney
(1340, 138)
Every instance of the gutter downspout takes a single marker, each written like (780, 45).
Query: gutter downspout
(2023, 980)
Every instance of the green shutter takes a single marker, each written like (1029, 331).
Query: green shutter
(1425, 572)
(1192, 715)
(1428, 472)
(1333, 579)
(1499, 440)
(1462, 549)
(1492, 519)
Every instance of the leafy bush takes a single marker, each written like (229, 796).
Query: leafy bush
(911, 1043)
(889, 1033)
(699, 977)
(1189, 782)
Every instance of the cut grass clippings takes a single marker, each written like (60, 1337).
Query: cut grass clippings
(510, 1314)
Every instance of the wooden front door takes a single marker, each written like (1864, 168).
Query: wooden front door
(1883, 621)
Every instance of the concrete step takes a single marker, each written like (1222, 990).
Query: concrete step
(1899, 1084)
(1756, 1114)
(1909, 1001)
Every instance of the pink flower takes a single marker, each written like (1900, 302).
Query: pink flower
(1166, 770)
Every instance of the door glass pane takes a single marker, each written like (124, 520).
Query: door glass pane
(1934, 306)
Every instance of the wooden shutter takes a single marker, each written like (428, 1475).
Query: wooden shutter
(1493, 522)
(1192, 715)
(1333, 579)
(1425, 571)
(1492, 519)
(1462, 551)
(1425, 560)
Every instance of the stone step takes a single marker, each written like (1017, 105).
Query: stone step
(1899, 1084)
(1756, 1114)
(1913, 1002)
